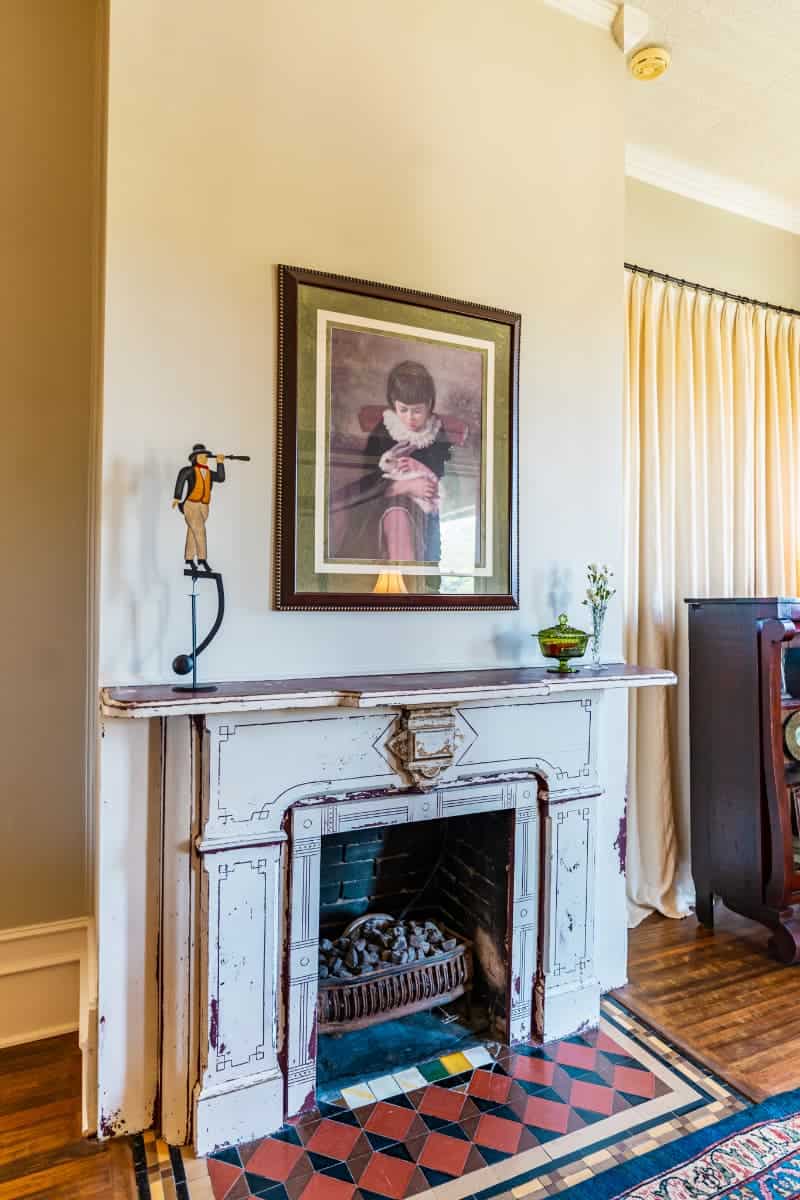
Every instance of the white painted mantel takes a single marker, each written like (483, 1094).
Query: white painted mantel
(213, 809)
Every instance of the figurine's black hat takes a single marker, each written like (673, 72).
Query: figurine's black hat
(198, 448)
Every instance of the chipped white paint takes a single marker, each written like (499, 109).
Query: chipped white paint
(303, 753)
(241, 1085)
(246, 798)
(127, 907)
(571, 991)
(180, 1033)
(425, 744)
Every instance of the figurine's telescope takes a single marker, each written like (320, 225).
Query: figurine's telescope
(233, 457)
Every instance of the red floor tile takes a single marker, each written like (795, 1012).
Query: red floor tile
(398, 1178)
(442, 1102)
(305, 1130)
(532, 1070)
(387, 1176)
(248, 1149)
(275, 1159)
(223, 1176)
(547, 1114)
(592, 1096)
(390, 1120)
(415, 1145)
(489, 1085)
(605, 1043)
(241, 1190)
(417, 1183)
(334, 1139)
(325, 1187)
(571, 1055)
(636, 1083)
(445, 1154)
(498, 1133)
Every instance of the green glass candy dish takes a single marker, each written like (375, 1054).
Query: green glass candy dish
(563, 642)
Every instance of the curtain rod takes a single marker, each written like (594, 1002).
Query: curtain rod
(712, 291)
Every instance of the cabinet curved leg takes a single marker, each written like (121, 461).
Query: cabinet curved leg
(704, 908)
(785, 941)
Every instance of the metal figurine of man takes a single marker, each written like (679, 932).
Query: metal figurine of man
(193, 497)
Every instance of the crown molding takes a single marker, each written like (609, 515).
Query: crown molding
(630, 27)
(673, 175)
(600, 13)
(627, 23)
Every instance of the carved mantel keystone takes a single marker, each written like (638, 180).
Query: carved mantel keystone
(424, 743)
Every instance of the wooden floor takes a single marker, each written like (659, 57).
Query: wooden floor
(42, 1153)
(719, 997)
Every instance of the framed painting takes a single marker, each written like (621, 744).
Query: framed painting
(397, 448)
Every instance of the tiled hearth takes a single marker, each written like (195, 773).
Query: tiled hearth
(506, 1122)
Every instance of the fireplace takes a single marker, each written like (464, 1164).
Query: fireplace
(458, 864)
(413, 933)
(232, 829)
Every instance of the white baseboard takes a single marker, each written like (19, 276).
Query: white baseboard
(40, 980)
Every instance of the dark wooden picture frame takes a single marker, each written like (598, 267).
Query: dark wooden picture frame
(469, 352)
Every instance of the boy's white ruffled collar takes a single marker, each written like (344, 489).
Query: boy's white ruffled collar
(418, 438)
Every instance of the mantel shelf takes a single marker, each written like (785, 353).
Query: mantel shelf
(373, 691)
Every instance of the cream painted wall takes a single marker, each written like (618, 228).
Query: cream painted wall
(706, 245)
(48, 193)
(437, 146)
(459, 147)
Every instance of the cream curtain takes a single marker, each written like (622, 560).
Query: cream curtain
(712, 479)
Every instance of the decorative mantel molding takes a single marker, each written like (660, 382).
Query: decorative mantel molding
(425, 744)
(374, 691)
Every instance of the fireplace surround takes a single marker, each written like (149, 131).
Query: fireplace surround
(215, 814)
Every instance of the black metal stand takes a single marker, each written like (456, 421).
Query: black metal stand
(182, 664)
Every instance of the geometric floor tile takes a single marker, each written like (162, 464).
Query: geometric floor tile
(526, 1121)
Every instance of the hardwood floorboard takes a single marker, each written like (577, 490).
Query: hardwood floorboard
(42, 1153)
(719, 997)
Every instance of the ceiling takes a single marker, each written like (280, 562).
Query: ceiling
(730, 103)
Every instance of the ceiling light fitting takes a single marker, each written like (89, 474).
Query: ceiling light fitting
(651, 62)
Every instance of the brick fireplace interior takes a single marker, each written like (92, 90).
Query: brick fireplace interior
(452, 871)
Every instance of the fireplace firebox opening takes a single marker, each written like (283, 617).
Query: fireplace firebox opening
(413, 944)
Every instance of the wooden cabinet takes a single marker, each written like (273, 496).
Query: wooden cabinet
(744, 831)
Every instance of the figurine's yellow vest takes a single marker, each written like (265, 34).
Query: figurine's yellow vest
(202, 485)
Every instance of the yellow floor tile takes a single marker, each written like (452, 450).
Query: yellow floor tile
(455, 1064)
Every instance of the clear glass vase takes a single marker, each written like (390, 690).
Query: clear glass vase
(598, 617)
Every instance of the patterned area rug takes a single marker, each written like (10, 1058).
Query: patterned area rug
(492, 1122)
(754, 1155)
